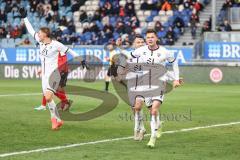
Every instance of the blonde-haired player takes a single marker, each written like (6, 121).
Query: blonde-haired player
(49, 51)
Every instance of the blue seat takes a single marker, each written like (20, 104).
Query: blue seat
(88, 36)
(115, 35)
(70, 15)
(68, 9)
(176, 13)
(166, 24)
(161, 34)
(186, 20)
(154, 13)
(149, 19)
(112, 20)
(100, 25)
(171, 20)
(65, 31)
(164, 41)
(8, 42)
(176, 30)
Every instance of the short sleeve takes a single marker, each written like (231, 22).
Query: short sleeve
(136, 53)
(170, 56)
(62, 48)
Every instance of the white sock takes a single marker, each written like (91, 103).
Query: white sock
(53, 110)
(158, 121)
(153, 124)
(141, 119)
(137, 124)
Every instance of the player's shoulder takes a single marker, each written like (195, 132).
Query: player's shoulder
(162, 49)
(56, 43)
(141, 49)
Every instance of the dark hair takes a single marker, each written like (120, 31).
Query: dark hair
(151, 31)
(138, 36)
(46, 30)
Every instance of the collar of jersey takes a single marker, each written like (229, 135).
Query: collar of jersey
(153, 49)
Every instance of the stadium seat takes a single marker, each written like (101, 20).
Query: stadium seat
(115, 35)
(8, 42)
(79, 30)
(163, 19)
(78, 25)
(157, 18)
(88, 3)
(122, 3)
(85, 24)
(113, 20)
(151, 25)
(169, 13)
(154, 13)
(17, 41)
(143, 24)
(99, 24)
(140, 13)
(161, 34)
(95, 3)
(149, 19)
(77, 13)
(137, 6)
(82, 8)
(147, 13)
(162, 13)
(141, 18)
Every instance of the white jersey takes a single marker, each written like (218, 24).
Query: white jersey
(158, 56)
(49, 54)
(148, 73)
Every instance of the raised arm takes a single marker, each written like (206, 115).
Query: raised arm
(28, 25)
(75, 55)
(64, 50)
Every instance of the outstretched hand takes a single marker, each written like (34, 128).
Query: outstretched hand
(176, 84)
(22, 12)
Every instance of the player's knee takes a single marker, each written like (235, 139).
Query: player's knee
(154, 111)
(48, 97)
(137, 108)
(138, 105)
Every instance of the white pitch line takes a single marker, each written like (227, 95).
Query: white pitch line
(21, 94)
(110, 140)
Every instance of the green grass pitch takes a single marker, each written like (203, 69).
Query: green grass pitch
(22, 128)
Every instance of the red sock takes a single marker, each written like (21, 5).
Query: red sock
(61, 95)
(44, 102)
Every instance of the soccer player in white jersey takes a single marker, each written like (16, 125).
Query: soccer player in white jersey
(139, 129)
(49, 52)
(157, 55)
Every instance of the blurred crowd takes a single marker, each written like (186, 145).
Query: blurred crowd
(110, 21)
